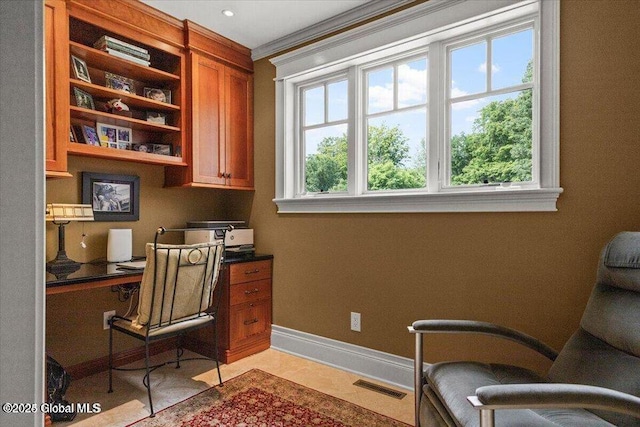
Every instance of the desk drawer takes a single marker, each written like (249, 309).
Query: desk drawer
(250, 291)
(249, 321)
(249, 271)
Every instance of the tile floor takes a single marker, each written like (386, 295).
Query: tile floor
(128, 403)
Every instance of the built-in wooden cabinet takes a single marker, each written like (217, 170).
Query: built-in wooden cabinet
(220, 94)
(204, 133)
(248, 310)
(244, 314)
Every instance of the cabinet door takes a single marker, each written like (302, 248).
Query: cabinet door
(239, 131)
(249, 322)
(57, 125)
(208, 124)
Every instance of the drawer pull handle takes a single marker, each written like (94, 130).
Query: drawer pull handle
(249, 322)
(254, 291)
(252, 271)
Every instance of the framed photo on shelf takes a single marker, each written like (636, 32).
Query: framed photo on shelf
(80, 69)
(162, 149)
(83, 99)
(78, 134)
(143, 148)
(154, 117)
(114, 81)
(124, 135)
(161, 95)
(107, 133)
(113, 197)
(90, 136)
(111, 135)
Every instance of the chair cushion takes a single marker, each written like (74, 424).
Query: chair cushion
(190, 297)
(586, 359)
(452, 382)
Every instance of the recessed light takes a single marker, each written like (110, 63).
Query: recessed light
(228, 13)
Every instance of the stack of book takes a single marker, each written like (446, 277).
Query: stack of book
(123, 50)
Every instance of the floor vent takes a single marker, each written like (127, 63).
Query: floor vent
(380, 389)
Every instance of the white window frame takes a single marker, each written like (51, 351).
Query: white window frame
(300, 183)
(444, 99)
(361, 143)
(428, 24)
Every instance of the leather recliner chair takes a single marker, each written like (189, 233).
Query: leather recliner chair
(593, 381)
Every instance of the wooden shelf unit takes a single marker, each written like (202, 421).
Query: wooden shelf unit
(73, 26)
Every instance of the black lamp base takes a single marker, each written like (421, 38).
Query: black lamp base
(62, 267)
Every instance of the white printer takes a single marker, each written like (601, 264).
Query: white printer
(237, 241)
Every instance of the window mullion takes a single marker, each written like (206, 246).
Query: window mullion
(354, 87)
(436, 93)
(489, 66)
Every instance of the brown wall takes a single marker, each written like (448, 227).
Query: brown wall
(531, 271)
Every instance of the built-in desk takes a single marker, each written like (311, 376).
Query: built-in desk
(91, 275)
(244, 325)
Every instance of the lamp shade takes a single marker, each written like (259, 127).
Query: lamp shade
(58, 212)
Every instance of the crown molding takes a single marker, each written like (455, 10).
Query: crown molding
(353, 16)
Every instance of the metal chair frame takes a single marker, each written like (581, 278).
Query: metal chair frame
(214, 301)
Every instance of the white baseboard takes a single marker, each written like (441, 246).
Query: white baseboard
(374, 364)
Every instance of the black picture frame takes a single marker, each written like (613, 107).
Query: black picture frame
(80, 69)
(112, 197)
(84, 99)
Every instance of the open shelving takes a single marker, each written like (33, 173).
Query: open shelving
(165, 72)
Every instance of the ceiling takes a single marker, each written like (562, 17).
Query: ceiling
(257, 24)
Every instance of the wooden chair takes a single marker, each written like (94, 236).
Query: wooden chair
(176, 296)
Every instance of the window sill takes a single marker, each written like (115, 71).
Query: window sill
(522, 200)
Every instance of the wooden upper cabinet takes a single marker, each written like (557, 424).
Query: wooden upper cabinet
(202, 132)
(208, 120)
(239, 128)
(56, 33)
(220, 93)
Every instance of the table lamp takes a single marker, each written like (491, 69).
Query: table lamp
(61, 215)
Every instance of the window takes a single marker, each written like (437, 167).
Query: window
(443, 111)
(324, 136)
(490, 111)
(395, 124)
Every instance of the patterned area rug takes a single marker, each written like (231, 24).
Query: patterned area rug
(259, 399)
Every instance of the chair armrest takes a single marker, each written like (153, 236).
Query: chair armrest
(471, 326)
(532, 396)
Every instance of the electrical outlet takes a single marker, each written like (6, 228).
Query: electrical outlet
(355, 322)
(105, 318)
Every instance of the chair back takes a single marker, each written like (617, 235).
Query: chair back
(605, 351)
(178, 282)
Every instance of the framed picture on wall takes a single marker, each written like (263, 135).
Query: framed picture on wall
(113, 197)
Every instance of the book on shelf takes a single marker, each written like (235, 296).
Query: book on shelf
(122, 55)
(113, 41)
(109, 45)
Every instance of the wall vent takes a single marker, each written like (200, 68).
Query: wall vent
(380, 389)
